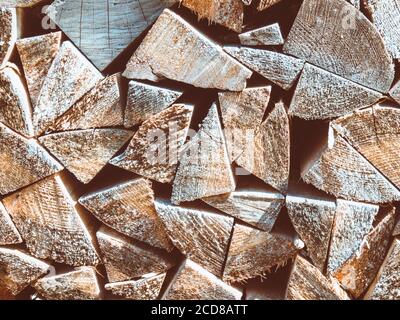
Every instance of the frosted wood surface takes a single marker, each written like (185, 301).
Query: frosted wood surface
(8, 33)
(8, 232)
(265, 36)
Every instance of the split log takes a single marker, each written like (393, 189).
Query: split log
(129, 208)
(155, 148)
(265, 4)
(340, 170)
(200, 235)
(18, 271)
(228, 13)
(204, 169)
(15, 112)
(102, 31)
(279, 68)
(145, 101)
(8, 33)
(126, 259)
(375, 132)
(265, 36)
(258, 208)
(328, 28)
(165, 53)
(267, 156)
(144, 289)
(70, 76)
(313, 220)
(192, 282)
(321, 95)
(37, 55)
(22, 161)
(50, 224)
(308, 283)
(19, 3)
(8, 232)
(253, 253)
(81, 284)
(85, 152)
(395, 92)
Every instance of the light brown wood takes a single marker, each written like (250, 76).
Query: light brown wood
(8, 33)
(265, 4)
(265, 36)
(19, 3)
(8, 232)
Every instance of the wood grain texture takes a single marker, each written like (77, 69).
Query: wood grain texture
(23, 161)
(145, 101)
(51, 226)
(102, 30)
(395, 92)
(322, 34)
(129, 208)
(19, 3)
(200, 235)
(269, 35)
(85, 152)
(16, 111)
(155, 148)
(144, 289)
(8, 33)
(8, 232)
(19, 270)
(313, 221)
(193, 58)
(126, 259)
(195, 283)
(258, 208)
(267, 156)
(81, 284)
(340, 170)
(265, 4)
(70, 76)
(308, 283)
(37, 54)
(396, 230)
(204, 169)
(279, 68)
(322, 95)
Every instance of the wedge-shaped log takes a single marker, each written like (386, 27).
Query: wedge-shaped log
(165, 53)
(265, 36)
(129, 208)
(8, 33)
(85, 152)
(8, 232)
(325, 29)
(51, 225)
(200, 235)
(155, 148)
(81, 284)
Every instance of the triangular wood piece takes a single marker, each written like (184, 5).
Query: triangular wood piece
(242, 114)
(267, 156)
(85, 152)
(358, 272)
(144, 289)
(102, 31)
(321, 95)
(200, 235)
(195, 64)
(340, 170)
(155, 148)
(51, 226)
(204, 169)
(314, 37)
(8, 232)
(253, 253)
(126, 259)
(265, 36)
(70, 76)
(258, 208)
(353, 221)
(81, 284)
(19, 3)
(308, 283)
(375, 133)
(19, 270)
(313, 221)
(395, 92)
(22, 161)
(279, 68)
(37, 55)
(396, 230)
(8, 33)
(265, 4)
(192, 282)
(228, 13)
(101, 107)
(129, 208)
(15, 111)
(144, 101)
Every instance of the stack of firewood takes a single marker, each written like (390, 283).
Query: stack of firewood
(199, 149)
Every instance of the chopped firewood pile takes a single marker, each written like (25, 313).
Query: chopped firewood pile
(199, 149)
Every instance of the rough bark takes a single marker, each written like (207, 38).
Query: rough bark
(8, 33)
(8, 232)
(265, 36)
